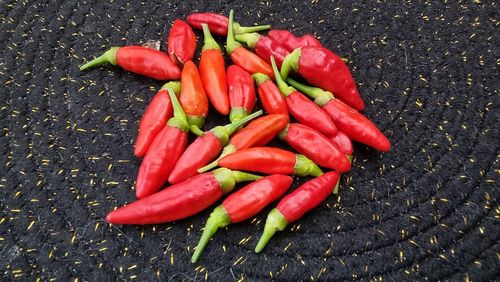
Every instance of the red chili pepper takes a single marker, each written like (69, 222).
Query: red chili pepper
(351, 122)
(264, 46)
(218, 24)
(242, 205)
(241, 92)
(193, 99)
(181, 42)
(204, 149)
(322, 68)
(270, 160)
(141, 60)
(270, 96)
(156, 116)
(302, 109)
(163, 152)
(294, 205)
(290, 41)
(242, 57)
(257, 133)
(343, 142)
(181, 200)
(213, 73)
(315, 146)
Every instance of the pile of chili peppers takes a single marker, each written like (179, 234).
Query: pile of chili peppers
(318, 120)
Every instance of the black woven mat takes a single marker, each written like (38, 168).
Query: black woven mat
(426, 210)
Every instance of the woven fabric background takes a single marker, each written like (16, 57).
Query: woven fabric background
(428, 209)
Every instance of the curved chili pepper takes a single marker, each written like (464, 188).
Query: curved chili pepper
(264, 46)
(270, 96)
(181, 200)
(315, 146)
(181, 42)
(290, 42)
(213, 73)
(157, 114)
(321, 67)
(243, 204)
(218, 24)
(302, 109)
(259, 132)
(242, 57)
(241, 92)
(294, 205)
(193, 99)
(270, 160)
(163, 152)
(141, 60)
(204, 149)
(358, 127)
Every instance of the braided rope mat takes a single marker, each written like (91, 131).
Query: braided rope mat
(426, 210)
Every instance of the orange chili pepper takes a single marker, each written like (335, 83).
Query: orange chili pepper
(193, 98)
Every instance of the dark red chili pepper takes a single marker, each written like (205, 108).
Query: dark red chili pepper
(181, 200)
(156, 116)
(204, 149)
(264, 46)
(181, 42)
(270, 96)
(294, 205)
(257, 133)
(244, 58)
(141, 60)
(218, 24)
(270, 160)
(163, 152)
(193, 99)
(321, 67)
(242, 205)
(213, 73)
(302, 109)
(315, 146)
(351, 122)
(290, 41)
(241, 92)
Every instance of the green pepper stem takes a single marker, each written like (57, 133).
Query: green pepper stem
(209, 41)
(179, 119)
(248, 38)
(304, 167)
(260, 78)
(284, 88)
(107, 57)
(290, 62)
(232, 127)
(174, 85)
(238, 29)
(320, 96)
(236, 114)
(275, 222)
(227, 178)
(228, 149)
(196, 130)
(231, 44)
(240, 176)
(218, 219)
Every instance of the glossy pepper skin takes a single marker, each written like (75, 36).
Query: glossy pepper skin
(291, 42)
(163, 152)
(302, 109)
(158, 112)
(181, 42)
(218, 24)
(322, 68)
(242, 205)
(358, 127)
(343, 142)
(240, 56)
(269, 160)
(241, 92)
(204, 149)
(140, 60)
(294, 205)
(181, 200)
(270, 96)
(213, 73)
(264, 47)
(257, 133)
(315, 146)
(193, 98)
